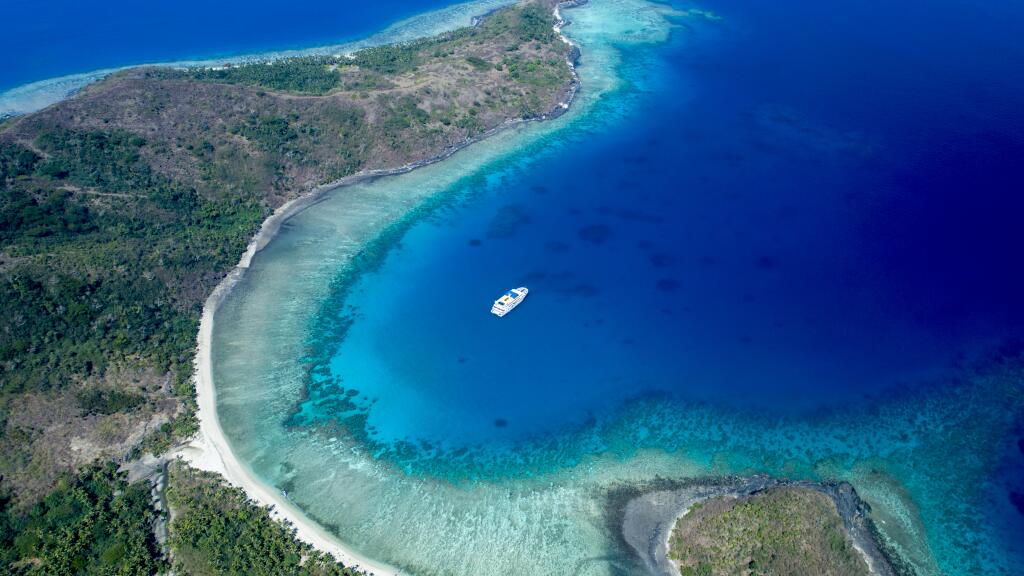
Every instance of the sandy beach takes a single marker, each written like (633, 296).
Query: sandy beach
(210, 449)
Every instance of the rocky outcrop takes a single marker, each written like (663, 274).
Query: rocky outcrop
(648, 514)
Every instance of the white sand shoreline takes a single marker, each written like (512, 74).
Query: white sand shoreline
(210, 449)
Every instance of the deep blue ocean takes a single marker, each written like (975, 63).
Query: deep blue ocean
(67, 37)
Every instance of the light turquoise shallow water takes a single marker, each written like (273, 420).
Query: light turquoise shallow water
(924, 459)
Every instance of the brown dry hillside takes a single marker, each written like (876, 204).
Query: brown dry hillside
(780, 531)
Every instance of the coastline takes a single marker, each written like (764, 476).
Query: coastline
(210, 450)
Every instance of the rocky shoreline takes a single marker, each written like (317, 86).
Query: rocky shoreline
(644, 516)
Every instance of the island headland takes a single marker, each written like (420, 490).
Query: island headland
(651, 522)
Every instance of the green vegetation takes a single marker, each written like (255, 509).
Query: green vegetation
(782, 531)
(270, 133)
(391, 58)
(94, 523)
(535, 24)
(84, 222)
(478, 63)
(308, 74)
(536, 72)
(314, 74)
(103, 266)
(109, 160)
(181, 426)
(96, 401)
(399, 116)
(217, 530)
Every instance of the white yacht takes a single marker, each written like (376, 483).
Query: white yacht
(508, 301)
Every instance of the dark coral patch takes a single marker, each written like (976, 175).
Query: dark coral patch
(631, 214)
(584, 290)
(536, 276)
(595, 233)
(667, 285)
(1017, 499)
(660, 259)
(766, 262)
(507, 221)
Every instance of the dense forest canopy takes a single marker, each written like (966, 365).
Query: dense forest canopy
(92, 523)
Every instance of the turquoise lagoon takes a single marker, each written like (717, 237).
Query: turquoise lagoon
(736, 266)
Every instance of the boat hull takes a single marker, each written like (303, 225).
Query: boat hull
(509, 301)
